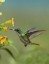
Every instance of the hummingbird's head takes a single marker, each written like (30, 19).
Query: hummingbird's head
(17, 30)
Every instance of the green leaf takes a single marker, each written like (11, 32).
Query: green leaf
(14, 48)
(1, 28)
(0, 55)
(1, 45)
(9, 41)
(2, 24)
(9, 52)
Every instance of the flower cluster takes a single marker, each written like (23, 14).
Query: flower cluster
(4, 39)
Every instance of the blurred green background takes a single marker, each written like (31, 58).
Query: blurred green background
(27, 14)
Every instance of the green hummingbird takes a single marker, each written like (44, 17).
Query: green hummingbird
(27, 35)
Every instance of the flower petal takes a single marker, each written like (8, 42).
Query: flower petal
(9, 22)
(6, 28)
(1, 36)
(3, 40)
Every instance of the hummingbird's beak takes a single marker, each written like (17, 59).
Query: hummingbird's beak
(12, 29)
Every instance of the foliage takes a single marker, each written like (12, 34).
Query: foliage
(35, 55)
(4, 40)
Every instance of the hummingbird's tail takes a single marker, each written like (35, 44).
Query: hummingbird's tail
(34, 44)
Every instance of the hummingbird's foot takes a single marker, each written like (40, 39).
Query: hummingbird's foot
(34, 44)
(25, 45)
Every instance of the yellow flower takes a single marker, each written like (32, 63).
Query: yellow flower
(1, 37)
(10, 22)
(5, 28)
(3, 40)
(0, 13)
(1, 1)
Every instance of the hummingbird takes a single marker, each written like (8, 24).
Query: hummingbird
(26, 36)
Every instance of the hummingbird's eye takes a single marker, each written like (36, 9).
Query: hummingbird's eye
(17, 30)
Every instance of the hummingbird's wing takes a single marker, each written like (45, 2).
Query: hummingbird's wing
(31, 30)
(31, 33)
